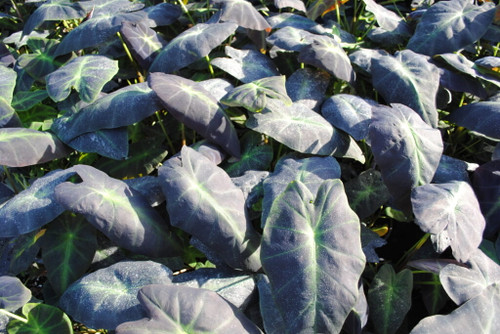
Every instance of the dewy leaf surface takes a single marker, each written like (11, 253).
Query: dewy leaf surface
(448, 26)
(108, 297)
(406, 149)
(408, 78)
(194, 106)
(298, 127)
(311, 252)
(451, 211)
(87, 74)
(34, 207)
(181, 309)
(191, 45)
(203, 201)
(118, 211)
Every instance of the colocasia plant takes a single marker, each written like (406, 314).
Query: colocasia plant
(234, 166)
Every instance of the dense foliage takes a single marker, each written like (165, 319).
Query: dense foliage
(234, 166)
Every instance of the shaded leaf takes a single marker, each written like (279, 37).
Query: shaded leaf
(298, 127)
(118, 211)
(483, 118)
(246, 65)
(389, 298)
(406, 149)
(204, 312)
(369, 241)
(13, 293)
(42, 319)
(308, 87)
(203, 201)
(319, 7)
(441, 28)
(408, 78)
(34, 207)
(366, 193)
(110, 143)
(108, 297)
(43, 59)
(486, 183)
(327, 54)
(255, 155)
(451, 169)
(312, 254)
(24, 100)
(451, 212)
(254, 95)
(87, 74)
(68, 248)
(17, 253)
(55, 11)
(488, 65)
(191, 45)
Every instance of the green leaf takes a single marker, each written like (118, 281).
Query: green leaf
(42, 319)
(255, 155)
(311, 252)
(68, 248)
(42, 61)
(25, 100)
(87, 74)
(389, 298)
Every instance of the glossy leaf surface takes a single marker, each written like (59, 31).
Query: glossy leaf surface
(311, 252)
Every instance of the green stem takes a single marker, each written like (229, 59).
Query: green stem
(210, 68)
(169, 141)
(129, 55)
(413, 249)
(11, 180)
(14, 316)
(185, 10)
(17, 10)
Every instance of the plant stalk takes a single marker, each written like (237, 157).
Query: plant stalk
(13, 316)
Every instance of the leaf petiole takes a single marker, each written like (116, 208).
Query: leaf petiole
(13, 316)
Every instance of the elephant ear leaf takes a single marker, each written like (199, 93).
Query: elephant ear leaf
(144, 43)
(118, 211)
(483, 118)
(87, 74)
(311, 252)
(13, 293)
(182, 309)
(243, 13)
(441, 28)
(42, 319)
(451, 212)
(389, 298)
(191, 45)
(203, 201)
(7, 86)
(194, 106)
(406, 149)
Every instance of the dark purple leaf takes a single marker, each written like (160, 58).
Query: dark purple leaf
(482, 118)
(144, 43)
(308, 87)
(192, 105)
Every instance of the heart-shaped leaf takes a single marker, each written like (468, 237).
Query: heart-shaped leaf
(441, 28)
(108, 297)
(191, 45)
(389, 298)
(13, 293)
(42, 319)
(408, 78)
(298, 127)
(118, 211)
(366, 193)
(243, 13)
(203, 201)
(406, 149)
(327, 54)
(451, 212)
(172, 308)
(34, 207)
(254, 95)
(311, 252)
(192, 105)
(87, 74)
(246, 65)
(68, 248)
